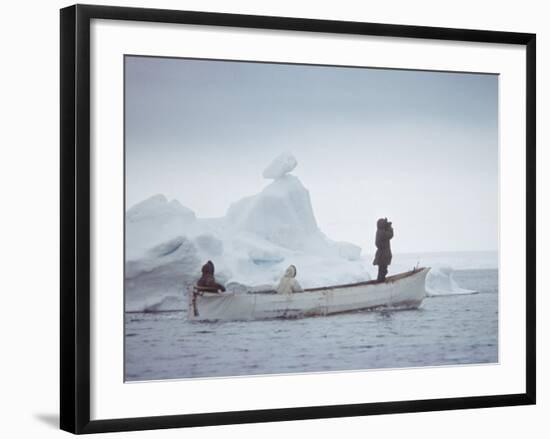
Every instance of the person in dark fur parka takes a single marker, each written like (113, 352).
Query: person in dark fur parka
(207, 279)
(383, 256)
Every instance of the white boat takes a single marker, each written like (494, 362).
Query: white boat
(404, 290)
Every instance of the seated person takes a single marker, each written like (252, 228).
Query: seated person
(288, 283)
(207, 280)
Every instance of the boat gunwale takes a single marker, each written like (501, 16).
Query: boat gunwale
(389, 279)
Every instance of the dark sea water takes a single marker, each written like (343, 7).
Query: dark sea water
(445, 330)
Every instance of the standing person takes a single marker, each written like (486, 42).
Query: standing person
(384, 232)
(207, 279)
(288, 283)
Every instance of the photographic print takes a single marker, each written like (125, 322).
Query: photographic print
(293, 218)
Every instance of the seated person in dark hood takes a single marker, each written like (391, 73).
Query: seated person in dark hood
(384, 232)
(207, 279)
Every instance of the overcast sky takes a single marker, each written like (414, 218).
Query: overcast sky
(418, 147)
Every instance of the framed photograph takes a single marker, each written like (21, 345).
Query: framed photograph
(274, 218)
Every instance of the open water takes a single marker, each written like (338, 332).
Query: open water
(445, 330)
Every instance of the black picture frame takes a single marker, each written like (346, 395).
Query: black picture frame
(75, 217)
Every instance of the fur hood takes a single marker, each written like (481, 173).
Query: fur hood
(288, 283)
(290, 271)
(208, 268)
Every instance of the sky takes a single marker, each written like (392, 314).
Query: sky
(418, 147)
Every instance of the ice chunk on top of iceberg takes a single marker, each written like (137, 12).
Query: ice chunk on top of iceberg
(281, 165)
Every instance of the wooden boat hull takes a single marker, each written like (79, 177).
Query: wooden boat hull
(405, 290)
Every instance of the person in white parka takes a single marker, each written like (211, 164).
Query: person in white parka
(288, 283)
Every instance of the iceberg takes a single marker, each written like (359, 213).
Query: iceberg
(251, 246)
(440, 282)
